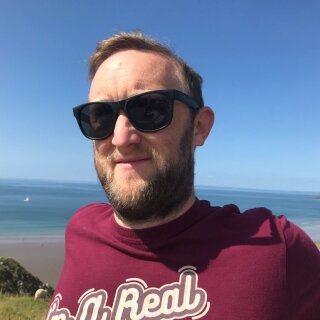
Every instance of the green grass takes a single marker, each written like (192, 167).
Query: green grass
(22, 308)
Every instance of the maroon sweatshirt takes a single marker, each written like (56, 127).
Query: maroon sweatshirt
(210, 263)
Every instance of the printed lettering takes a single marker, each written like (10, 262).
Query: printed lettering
(92, 306)
(55, 313)
(135, 301)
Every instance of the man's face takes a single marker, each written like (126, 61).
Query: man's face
(146, 176)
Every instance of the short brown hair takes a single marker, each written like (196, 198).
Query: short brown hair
(138, 41)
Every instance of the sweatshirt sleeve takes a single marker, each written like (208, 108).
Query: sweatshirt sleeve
(302, 273)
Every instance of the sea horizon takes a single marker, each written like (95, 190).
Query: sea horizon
(203, 186)
(31, 208)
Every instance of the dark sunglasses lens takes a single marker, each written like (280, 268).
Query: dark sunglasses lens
(97, 120)
(150, 112)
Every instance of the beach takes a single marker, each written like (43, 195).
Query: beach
(41, 255)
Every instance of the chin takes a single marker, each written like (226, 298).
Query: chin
(129, 188)
(132, 176)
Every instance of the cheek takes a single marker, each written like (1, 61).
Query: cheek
(101, 152)
(101, 147)
(167, 150)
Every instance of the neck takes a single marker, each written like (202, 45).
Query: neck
(157, 222)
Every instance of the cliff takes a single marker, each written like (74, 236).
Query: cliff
(15, 280)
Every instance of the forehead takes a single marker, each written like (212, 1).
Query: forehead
(130, 72)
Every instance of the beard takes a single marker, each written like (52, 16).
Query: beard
(159, 196)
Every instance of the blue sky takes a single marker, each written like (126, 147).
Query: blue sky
(259, 60)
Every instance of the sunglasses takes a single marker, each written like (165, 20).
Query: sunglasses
(149, 111)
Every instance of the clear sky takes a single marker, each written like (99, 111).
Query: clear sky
(260, 61)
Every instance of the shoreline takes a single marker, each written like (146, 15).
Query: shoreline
(40, 254)
(12, 238)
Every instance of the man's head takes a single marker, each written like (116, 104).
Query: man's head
(191, 80)
(147, 176)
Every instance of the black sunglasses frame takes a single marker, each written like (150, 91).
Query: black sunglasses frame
(122, 105)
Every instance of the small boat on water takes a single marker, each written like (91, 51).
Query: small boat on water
(26, 199)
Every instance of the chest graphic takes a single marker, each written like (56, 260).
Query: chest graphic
(134, 300)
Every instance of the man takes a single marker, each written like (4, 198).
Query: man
(157, 252)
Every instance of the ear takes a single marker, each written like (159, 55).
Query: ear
(202, 125)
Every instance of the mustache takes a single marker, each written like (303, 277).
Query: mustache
(136, 151)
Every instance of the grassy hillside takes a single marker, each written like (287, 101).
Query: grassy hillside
(22, 308)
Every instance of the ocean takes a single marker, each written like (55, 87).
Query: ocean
(30, 207)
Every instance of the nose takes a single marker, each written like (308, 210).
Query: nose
(124, 133)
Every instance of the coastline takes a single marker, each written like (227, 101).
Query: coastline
(40, 254)
(32, 232)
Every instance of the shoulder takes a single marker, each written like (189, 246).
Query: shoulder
(92, 207)
(252, 223)
(260, 223)
(302, 263)
(90, 215)
(302, 271)
(266, 223)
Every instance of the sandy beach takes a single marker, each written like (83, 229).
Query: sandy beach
(41, 255)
